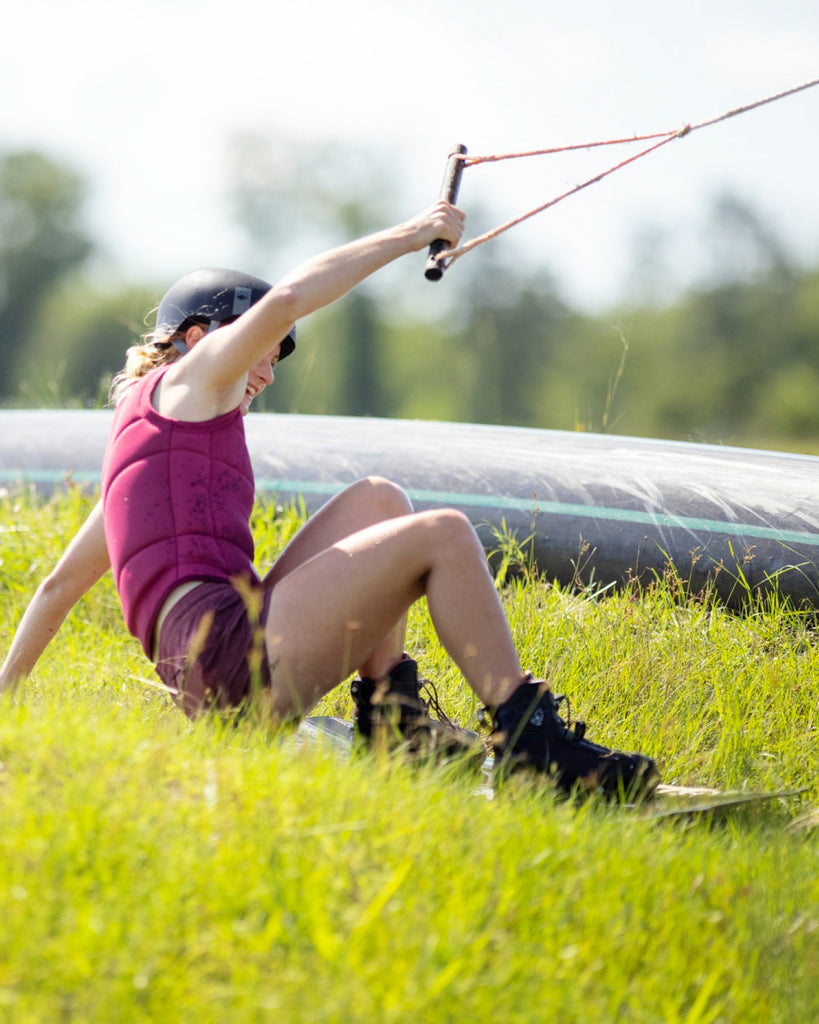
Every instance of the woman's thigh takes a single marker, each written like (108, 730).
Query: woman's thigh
(362, 504)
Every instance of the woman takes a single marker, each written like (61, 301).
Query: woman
(177, 492)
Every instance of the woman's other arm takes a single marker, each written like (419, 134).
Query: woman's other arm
(83, 563)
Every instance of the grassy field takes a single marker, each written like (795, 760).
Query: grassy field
(157, 870)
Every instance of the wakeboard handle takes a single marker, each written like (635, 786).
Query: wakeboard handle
(449, 191)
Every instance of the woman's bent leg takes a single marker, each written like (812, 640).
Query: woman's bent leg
(329, 615)
(363, 504)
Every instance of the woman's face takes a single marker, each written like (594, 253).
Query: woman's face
(258, 378)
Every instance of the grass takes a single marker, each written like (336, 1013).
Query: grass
(158, 870)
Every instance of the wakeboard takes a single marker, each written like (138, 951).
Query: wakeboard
(669, 801)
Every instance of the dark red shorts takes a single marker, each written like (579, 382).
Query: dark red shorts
(211, 649)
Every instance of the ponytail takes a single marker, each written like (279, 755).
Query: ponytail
(150, 354)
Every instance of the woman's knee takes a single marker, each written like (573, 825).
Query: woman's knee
(452, 527)
(385, 499)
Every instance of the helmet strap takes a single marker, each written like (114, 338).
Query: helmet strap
(182, 345)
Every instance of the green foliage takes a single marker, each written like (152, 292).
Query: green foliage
(158, 870)
(41, 240)
(725, 364)
(79, 343)
(61, 339)
(513, 336)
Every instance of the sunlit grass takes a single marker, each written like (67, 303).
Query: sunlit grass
(157, 870)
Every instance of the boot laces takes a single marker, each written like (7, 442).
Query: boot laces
(573, 730)
(428, 695)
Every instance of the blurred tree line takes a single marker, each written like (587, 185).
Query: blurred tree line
(730, 361)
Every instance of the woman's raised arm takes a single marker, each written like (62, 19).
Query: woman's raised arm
(232, 351)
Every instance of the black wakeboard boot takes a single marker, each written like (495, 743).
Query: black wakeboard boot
(393, 714)
(529, 733)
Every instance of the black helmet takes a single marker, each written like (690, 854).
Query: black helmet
(212, 296)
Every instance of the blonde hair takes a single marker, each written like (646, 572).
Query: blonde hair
(154, 350)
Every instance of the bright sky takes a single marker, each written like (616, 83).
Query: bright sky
(144, 98)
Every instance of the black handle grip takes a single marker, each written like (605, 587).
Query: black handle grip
(449, 191)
